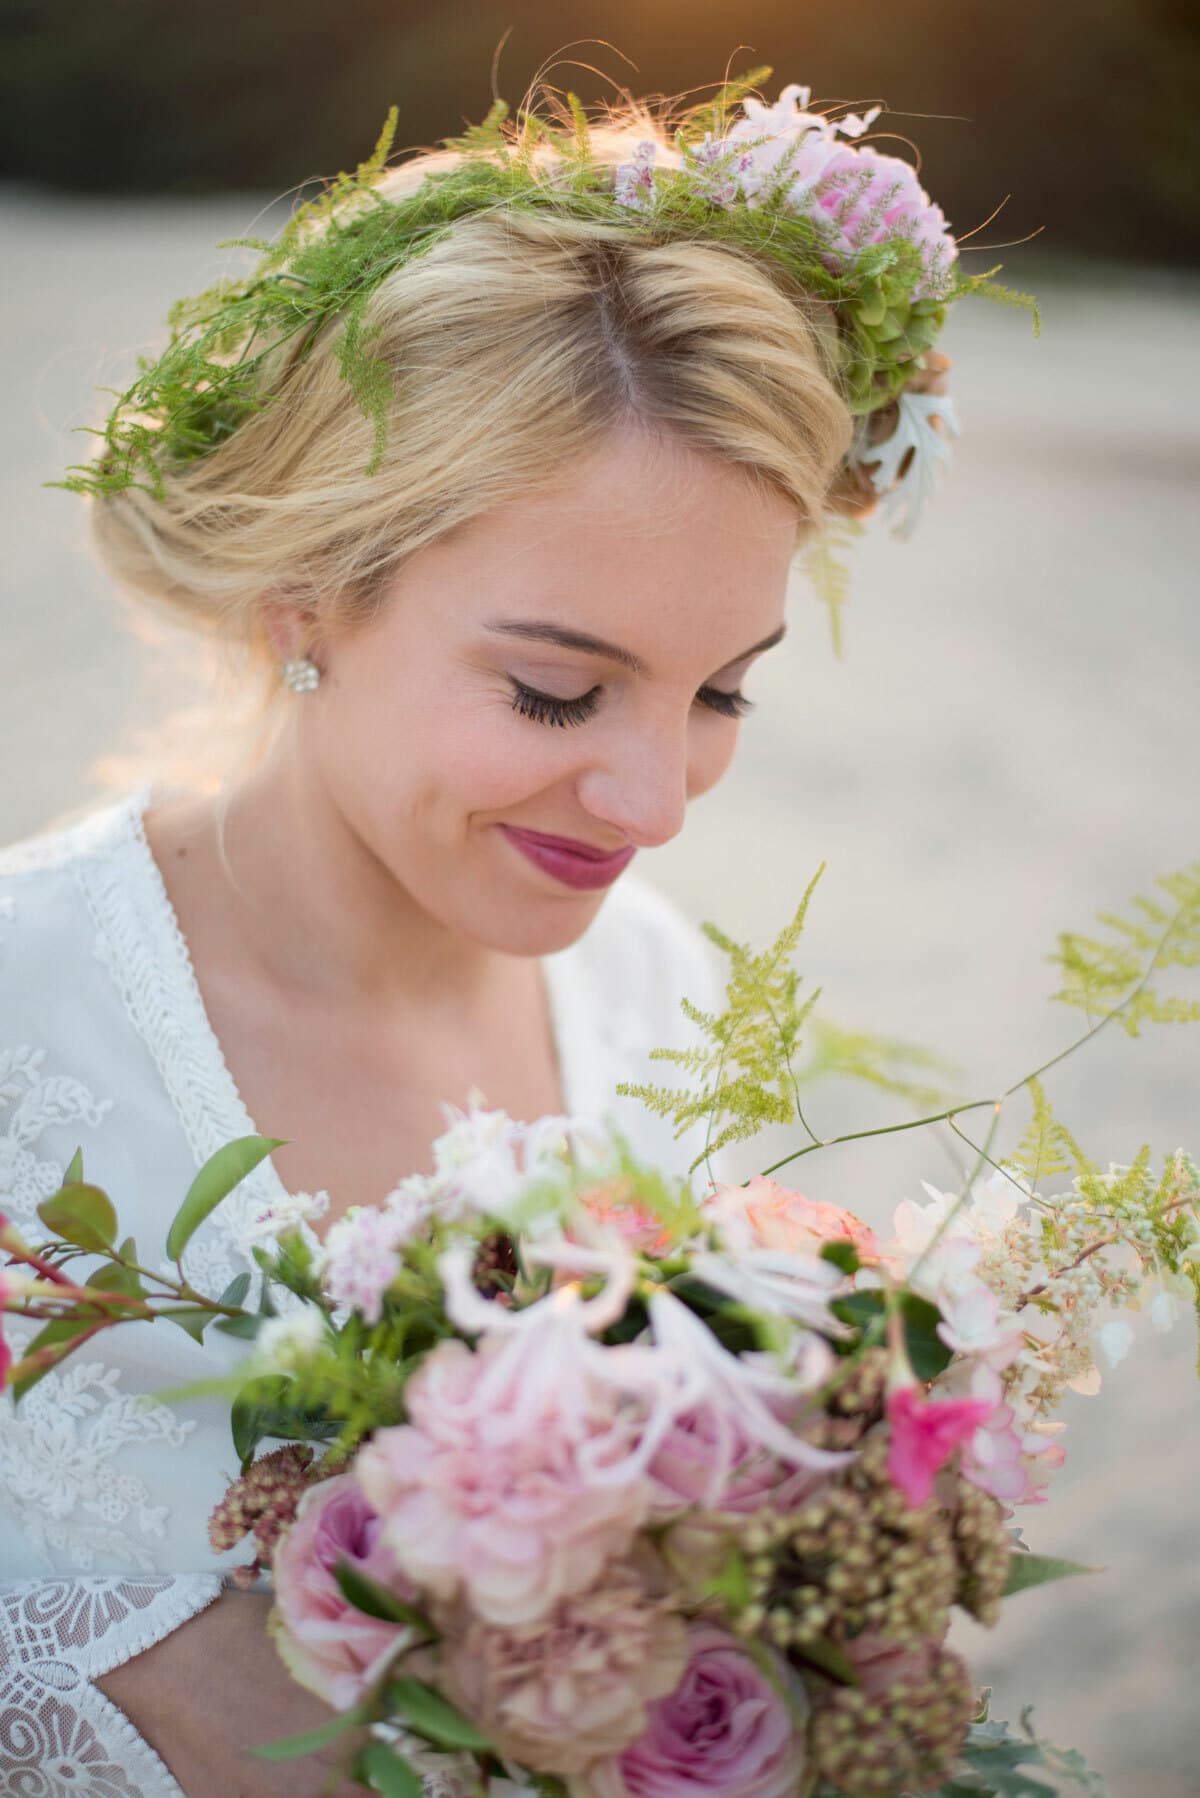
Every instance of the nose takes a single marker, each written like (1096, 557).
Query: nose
(640, 788)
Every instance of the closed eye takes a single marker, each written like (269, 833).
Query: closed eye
(544, 708)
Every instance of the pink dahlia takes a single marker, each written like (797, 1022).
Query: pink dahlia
(496, 1486)
(572, 1686)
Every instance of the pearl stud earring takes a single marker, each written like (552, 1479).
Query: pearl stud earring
(301, 676)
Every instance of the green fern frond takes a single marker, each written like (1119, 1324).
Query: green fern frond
(1102, 976)
(743, 1071)
(484, 139)
(880, 1061)
(1047, 1146)
(1005, 296)
(713, 115)
(830, 577)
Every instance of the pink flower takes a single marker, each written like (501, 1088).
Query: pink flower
(633, 182)
(705, 1459)
(497, 1487)
(571, 1687)
(328, 1645)
(613, 1205)
(1001, 1457)
(361, 1258)
(923, 1436)
(725, 1730)
(764, 1215)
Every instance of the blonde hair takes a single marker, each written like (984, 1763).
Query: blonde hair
(513, 342)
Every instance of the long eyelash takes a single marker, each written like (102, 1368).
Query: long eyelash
(544, 709)
(730, 705)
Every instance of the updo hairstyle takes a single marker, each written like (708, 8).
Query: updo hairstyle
(513, 343)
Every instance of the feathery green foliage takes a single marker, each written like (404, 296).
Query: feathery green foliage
(1047, 1146)
(889, 1063)
(1113, 975)
(829, 576)
(232, 347)
(744, 1070)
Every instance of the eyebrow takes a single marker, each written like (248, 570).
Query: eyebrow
(546, 631)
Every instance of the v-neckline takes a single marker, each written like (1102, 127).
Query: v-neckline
(185, 1045)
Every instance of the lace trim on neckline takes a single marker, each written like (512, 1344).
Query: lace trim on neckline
(142, 946)
(140, 942)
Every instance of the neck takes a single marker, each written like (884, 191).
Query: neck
(316, 908)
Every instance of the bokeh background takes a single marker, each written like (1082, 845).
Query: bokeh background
(1009, 743)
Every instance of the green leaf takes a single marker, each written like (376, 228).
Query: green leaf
(112, 1277)
(829, 1659)
(262, 1408)
(61, 1330)
(427, 1714)
(841, 1254)
(215, 1181)
(380, 1767)
(235, 1292)
(74, 1173)
(193, 1320)
(244, 1327)
(291, 1747)
(374, 1600)
(926, 1350)
(81, 1214)
(1026, 1570)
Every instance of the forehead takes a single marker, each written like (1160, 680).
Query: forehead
(669, 551)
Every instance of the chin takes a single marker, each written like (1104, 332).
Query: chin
(542, 929)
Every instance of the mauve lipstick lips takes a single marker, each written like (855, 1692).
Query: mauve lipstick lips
(575, 865)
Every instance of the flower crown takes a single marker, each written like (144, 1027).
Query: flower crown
(852, 226)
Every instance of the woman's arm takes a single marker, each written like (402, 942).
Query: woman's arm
(216, 1687)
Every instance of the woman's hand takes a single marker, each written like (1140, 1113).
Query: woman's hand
(215, 1688)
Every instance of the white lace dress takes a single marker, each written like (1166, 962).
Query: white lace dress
(105, 1046)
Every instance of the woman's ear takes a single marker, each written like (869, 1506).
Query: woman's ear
(289, 631)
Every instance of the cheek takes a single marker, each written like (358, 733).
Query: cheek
(421, 754)
(709, 758)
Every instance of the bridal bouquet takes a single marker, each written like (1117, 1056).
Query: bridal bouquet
(589, 1485)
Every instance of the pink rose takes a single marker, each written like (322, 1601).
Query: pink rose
(328, 1645)
(764, 1215)
(497, 1487)
(706, 1460)
(924, 1433)
(724, 1730)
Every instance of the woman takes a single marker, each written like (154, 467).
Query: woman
(496, 664)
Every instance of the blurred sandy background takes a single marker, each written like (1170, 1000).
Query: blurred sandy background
(1009, 745)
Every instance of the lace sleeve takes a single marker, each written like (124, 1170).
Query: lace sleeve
(60, 1737)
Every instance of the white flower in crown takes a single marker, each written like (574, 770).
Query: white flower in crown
(904, 496)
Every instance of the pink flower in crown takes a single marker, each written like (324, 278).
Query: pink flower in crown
(923, 1434)
(496, 1487)
(866, 197)
(633, 182)
(328, 1644)
(732, 1728)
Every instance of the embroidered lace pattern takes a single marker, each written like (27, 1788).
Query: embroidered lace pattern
(140, 943)
(32, 1099)
(60, 1737)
